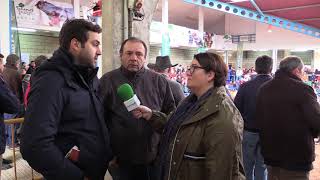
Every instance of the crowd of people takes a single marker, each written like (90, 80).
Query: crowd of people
(77, 126)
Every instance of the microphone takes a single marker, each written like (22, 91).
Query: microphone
(131, 101)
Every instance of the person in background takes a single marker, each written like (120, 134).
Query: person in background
(64, 135)
(202, 138)
(32, 67)
(288, 119)
(12, 77)
(9, 104)
(26, 80)
(162, 66)
(245, 101)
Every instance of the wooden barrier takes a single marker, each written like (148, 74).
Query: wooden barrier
(12, 122)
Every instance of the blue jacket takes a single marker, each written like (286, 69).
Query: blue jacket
(245, 100)
(63, 111)
(9, 103)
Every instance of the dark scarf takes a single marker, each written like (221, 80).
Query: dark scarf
(184, 112)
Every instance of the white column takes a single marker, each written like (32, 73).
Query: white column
(239, 58)
(108, 63)
(226, 57)
(165, 14)
(5, 28)
(275, 60)
(165, 44)
(201, 27)
(316, 59)
(76, 8)
(200, 20)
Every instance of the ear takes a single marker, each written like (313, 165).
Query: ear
(210, 75)
(75, 44)
(296, 72)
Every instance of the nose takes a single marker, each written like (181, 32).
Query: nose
(188, 72)
(133, 57)
(99, 51)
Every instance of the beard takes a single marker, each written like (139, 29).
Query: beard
(85, 60)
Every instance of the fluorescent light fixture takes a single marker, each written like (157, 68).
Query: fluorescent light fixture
(299, 50)
(23, 29)
(269, 28)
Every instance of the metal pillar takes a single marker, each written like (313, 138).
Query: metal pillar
(239, 58)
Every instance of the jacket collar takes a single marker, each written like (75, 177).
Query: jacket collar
(208, 105)
(263, 76)
(63, 62)
(283, 74)
(131, 76)
(10, 67)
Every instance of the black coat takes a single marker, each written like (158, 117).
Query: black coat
(63, 111)
(9, 103)
(245, 100)
(288, 116)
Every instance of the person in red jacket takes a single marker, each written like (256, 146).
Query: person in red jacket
(26, 84)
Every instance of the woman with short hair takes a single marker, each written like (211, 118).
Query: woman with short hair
(201, 140)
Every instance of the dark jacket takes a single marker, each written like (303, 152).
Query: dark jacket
(177, 91)
(63, 111)
(8, 104)
(288, 116)
(14, 80)
(132, 140)
(245, 100)
(208, 145)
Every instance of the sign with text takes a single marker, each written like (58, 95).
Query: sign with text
(44, 15)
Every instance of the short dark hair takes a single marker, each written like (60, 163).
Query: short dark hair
(213, 62)
(78, 29)
(39, 60)
(134, 39)
(12, 60)
(263, 64)
(1, 55)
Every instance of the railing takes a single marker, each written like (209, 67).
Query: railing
(12, 122)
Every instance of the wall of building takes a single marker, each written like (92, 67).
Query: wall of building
(178, 56)
(41, 44)
(306, 56)
(35, 45)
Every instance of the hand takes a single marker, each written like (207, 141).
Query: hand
(114, 163)
(142, 112)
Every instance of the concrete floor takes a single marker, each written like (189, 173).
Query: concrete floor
(24, 170)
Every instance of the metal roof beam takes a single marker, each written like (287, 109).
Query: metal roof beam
(307, 19)
(254, 15)
(257, 7)
(292, 8)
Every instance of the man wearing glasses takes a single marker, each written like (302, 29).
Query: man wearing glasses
(134, 142)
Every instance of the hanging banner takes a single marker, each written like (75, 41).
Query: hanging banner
(43, 15)
(181, 36)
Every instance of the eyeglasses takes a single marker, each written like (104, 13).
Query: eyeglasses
(193, 68)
